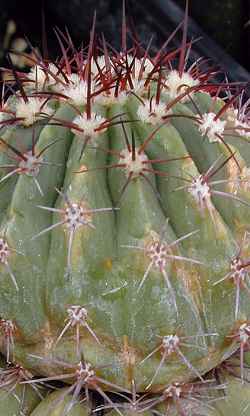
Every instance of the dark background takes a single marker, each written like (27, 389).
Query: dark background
(225, 21)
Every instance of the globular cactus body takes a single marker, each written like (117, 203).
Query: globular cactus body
(125, 206)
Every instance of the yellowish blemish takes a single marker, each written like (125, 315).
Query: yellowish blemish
(48, 337)
(128, 356)
(108, 264)
(234, 174)
(192, 281)
(83, 168)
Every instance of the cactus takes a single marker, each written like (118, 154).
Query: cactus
(57, 402)
(124, 236)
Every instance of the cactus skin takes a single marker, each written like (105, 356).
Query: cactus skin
(55, 405)
(18, 403)
(124, 210)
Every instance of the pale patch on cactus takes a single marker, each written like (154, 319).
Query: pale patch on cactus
(41, 76)
(76, 90)
(32, 110)
(177, 84)
(133, 162)
(212, 127)
(200, 190)
(152, 112)
(89, 127)
(238, 120)
(108, 98)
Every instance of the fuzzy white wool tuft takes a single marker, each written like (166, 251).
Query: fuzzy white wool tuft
(177, 85)
(211, 127)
